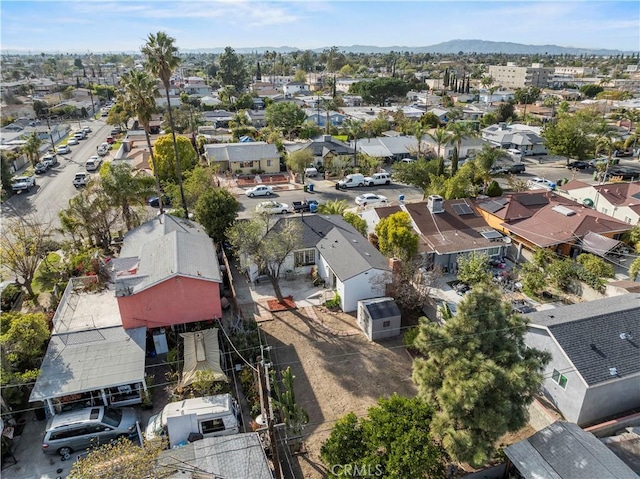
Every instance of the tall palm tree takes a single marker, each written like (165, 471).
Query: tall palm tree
(162, 59)
(458, 131)
(441, 137)
(31, 148)
(139, 92)
(353, 128)
(419, 131)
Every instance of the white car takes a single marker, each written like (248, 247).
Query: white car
(535, 183)
(260, 190)
(72, 141)
(93, 163)
(63, 149)
(103, 149)
(378, 179)
(369, 199)
(272, 208)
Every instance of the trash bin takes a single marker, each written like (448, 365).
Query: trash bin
(337, 186)
(311, 187)
(400, 197)
(313, 208)
(306, 188)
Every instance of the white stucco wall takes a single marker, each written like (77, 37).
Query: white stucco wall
(367, 285)
(610, 398)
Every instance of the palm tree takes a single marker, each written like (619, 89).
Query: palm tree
(162, 59)
(353, 128)
(125, 190)
(442, 138)
(32, 148)
(485, 160)
(333, 207)
(458, 131)
(419, 131)
(486, 81)
(139, 93)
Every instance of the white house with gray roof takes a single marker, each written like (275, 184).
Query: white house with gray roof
(525, 138)
(594, 372)
(244, 157)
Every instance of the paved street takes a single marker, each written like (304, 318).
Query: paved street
(54, 188)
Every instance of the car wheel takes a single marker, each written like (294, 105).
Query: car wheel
(269, 193)
(387, 182)
(360, 184)
(65, 451)
(251, 195)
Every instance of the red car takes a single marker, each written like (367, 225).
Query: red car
(110, 140)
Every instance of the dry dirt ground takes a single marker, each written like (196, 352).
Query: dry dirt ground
(337, 370)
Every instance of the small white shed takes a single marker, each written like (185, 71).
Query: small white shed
(379, 318)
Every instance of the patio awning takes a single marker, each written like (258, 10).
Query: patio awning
(598, 244)
(82, 361)
(201, 353)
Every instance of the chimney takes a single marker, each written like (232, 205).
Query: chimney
(502, 125)
(326, 138)
(435, 204)
(395, 264)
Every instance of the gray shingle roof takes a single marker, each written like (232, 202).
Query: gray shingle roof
(252, 151)
(564, 451)
(590, 335)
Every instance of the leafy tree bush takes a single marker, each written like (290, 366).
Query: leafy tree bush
(533, 279)
(477, 374)
(473, 268)
(596, 266)
(396, 237)
(356, 221)
(217, 210)
(165, 157)
(392, 441)
(494, 189)
(561, 272)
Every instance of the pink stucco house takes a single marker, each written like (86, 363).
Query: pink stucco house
(167, 274)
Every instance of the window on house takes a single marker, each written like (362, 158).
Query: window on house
(493, 251)
(245, 164)
(269, 162)
(627, 219)
(559, 378)
(386, 324)
(304, 258)
(214, 425)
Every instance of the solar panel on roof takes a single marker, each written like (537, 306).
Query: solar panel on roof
(462, 209)
(532, 200)
(492, 206)
(636, 196)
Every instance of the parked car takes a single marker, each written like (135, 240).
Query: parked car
(88, 427)
(103, 149)
(110, 140)
(272, 208)
(50, 159)
(624, 172)
(305, 205)
(602, 161)
(23, 183)
(311, 172)
(349, 181)
(81, 179)
(10, 294)
(72, 141)
(578, 165)
(260, 190)
(63, 149)
(93, 163)
(80, 135)
(536, 183)
(41, 168)
(369, 199)
(86, 129)
(378, 179)
(116, 130)
(154, 201)
(622, 153)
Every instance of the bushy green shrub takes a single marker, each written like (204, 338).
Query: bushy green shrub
(333, 302)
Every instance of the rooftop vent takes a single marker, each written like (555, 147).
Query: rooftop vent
(435, 204)
(613, 371)
(626, 336)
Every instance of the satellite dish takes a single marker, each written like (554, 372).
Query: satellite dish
(260, 420)
(507, 240)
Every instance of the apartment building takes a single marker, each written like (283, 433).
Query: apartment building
(514, 76)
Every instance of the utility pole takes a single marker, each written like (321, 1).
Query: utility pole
(49, 128)
(265, 401)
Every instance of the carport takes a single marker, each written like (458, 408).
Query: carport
(598, 244)
(92, 367)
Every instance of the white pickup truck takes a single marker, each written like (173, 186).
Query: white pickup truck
(23, 183)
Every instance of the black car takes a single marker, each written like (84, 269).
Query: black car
(578, 165)
(154, 201)
(41, 168)
(626, 173)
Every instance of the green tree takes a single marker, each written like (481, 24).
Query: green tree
(596, 266)
(293, 415)
(162, 59)
(458, 132)
(441, 137)
(266, 248)
(561, 272)
(285, 115)
(477, 374)
(417, 173)
(494, 189)
(24, 338)
(6, 159)
(396, 237)
(299, 160)
(473, 268)
(533, 279)
(356, 221)
(232, 69)
(139, 92)
(164, 151)
(380, 89)
(573, 135)
(591, 90)
(22, 246)
(486, 159)
(333, 207)
(634, 269)
(31, 148)
(392, 441)
(216, 209)
(353, 129)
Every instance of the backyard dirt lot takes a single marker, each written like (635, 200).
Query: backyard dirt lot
(337, 370)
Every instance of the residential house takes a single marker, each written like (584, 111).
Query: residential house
(525, 138)
(498, 96)
(167, 274)
(210, 100)
(389, 149)
(257, 118)
(618, 200)
(322, 117)
(424, 98)
(352, 100)
(514, 76)
(546, 220)
(564, 451)
(441, 113)
(218, 118)
(196, 86)
(344, 84)
(91, 359)
(244, 157)
(237, 456)
(347, 262)
(324, 149)
(295, 87)
(476, 111)
(594, 372)
(446, 230)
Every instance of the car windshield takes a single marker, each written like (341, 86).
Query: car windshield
(112, 417)
(156, 424)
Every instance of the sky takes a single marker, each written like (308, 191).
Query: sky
(122, 25)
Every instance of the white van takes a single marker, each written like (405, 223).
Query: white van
(206, 416)
(350, 181)
(311, 172)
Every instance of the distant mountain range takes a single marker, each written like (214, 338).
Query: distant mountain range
(450, 47)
